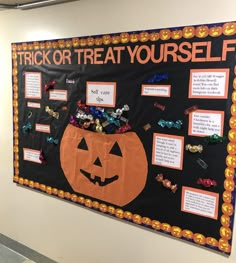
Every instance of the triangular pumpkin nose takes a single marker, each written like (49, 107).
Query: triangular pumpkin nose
(97, 162)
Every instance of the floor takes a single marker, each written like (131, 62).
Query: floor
(14, 252)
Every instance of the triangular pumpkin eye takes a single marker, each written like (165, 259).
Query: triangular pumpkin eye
(82, 145)
(116, 150)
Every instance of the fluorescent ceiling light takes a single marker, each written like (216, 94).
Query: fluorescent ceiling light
(35, 4)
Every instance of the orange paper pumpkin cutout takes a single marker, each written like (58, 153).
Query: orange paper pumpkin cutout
(109, 167)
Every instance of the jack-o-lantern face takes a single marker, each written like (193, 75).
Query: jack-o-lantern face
(68, 43)
(215, 31)
(19, 47)
(211, 241)
(106, 39)
(83, 42)
(224, 245)
(231, 148)
(176, 34)
(75, 42)
(154, 36)
(133, 38)
(234, 96)
(90, 41)
(199, 239)
(187, 234)
(102, 165)
(143, 36)
(48, 44)
(124, 37)
(225, 232)
(165, 34)
(232, 136)
(98, 41)
(231, 160)
(225, 220)
(188, 32)
(227, 209)
(202, 31)
(229, 173)
(61, 43)
(42, 45)
(30, 46)
(24, 46)
(115, 39)
(233, 109)
(55, 44)
(229, 29)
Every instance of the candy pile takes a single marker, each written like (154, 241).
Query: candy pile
(99, 120)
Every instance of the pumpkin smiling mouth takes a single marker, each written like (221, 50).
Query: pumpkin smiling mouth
(97, 179)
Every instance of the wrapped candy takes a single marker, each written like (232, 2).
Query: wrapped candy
(52, 140)
(170, 124)
(123, 128)
(202, 163)
(73, 121)
(51, 112)
(206, 182)
(157, 78)
(98, 126)
(194, 148)
(215, 138)
(191, 109)
(42, 158)
(27, 128)
(147, 126)
(159, 106)
(49, 85)
(166, 183)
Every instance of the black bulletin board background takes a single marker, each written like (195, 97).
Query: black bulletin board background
(154, 202)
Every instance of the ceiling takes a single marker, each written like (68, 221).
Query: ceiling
(29, 4)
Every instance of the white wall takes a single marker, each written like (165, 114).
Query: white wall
(62, 231)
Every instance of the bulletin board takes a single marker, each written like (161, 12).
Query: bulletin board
(138, 125)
